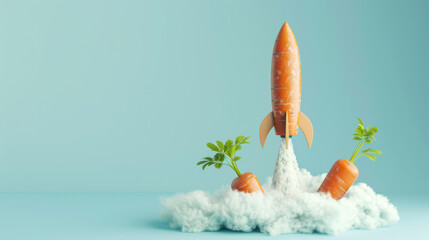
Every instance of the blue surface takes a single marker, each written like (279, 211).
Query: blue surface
(92, 216)
(111, 95)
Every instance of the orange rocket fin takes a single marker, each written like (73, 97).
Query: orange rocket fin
(265, 128)
(306, 127)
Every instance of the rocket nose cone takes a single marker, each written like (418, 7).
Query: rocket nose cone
(285, 27)
(284, 39)
(285, 31)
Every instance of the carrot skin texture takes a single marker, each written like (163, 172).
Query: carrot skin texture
(286, 82)
(247, 183)
(339, 179)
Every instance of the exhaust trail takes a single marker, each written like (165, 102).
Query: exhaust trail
(286, 176)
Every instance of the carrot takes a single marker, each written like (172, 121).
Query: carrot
(339, 179)
(344, 173)
(225, 155)
(286, 82)
(247, 182)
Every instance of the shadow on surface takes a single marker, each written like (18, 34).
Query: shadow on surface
(158, 224)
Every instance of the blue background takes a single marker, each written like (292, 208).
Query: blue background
(123, 95)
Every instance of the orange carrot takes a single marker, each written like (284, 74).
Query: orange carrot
(339, 179)
(247, 182)
(344, 173)
(225, 155)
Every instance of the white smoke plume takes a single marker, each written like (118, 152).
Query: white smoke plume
(290, 205)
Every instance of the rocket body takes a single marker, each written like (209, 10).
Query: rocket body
(286, 116)
(286, 82)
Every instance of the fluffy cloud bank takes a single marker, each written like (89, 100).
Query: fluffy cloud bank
(290, 205)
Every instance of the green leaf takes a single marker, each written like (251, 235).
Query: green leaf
(373, 131)
(220, 145)
(369, 156)
(372, 151)
(225, 152)
(360, 122)
(213, 147)
(219, 157)
(376, 151)
(245, 140)
(366, 131)
(230, 152)
(228, 143)
(365, 135)
(205, 165)
(218, 165)
(360, 130)
(239, 139)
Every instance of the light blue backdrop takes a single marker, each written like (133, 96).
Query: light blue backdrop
(123, 95)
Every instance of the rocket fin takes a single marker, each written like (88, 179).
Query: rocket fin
(265, 128)
(306, 127)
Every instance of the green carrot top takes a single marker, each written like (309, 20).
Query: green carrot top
(364, 136)
(225, 154)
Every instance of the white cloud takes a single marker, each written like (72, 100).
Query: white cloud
(291, 205)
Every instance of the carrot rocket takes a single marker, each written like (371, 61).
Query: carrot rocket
(286, 116)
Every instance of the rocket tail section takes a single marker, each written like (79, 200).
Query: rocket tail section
(303, 122)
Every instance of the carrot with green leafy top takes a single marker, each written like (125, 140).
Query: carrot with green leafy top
(344, 173)
(225, 155)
